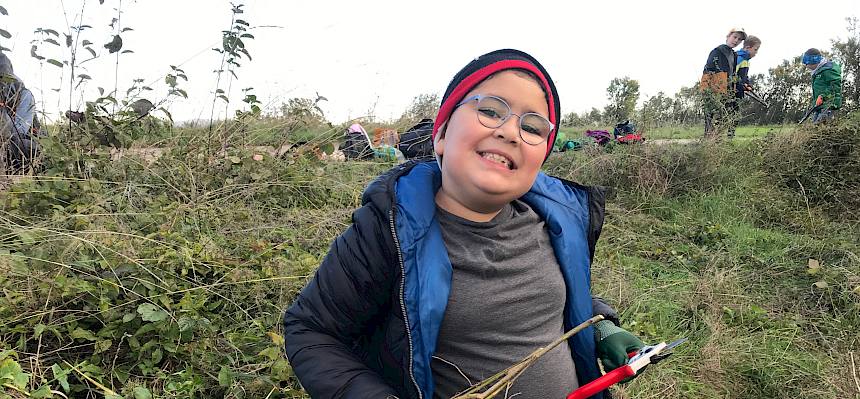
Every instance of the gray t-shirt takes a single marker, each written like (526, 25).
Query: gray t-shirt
(507, 300)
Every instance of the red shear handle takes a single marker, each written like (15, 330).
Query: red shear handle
(600, 384)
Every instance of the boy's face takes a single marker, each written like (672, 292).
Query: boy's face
(473, 175)
(734, 39)
(753, 50)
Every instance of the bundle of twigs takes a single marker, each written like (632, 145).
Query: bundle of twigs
(503, 380)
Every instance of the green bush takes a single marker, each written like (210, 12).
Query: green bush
(821, 164)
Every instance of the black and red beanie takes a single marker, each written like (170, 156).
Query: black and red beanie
(488, 64)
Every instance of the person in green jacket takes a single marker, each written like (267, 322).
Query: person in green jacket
(826, 85)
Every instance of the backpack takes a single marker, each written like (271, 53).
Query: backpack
(356, 144)
(416, 142)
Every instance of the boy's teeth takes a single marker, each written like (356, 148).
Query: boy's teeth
(495, 157)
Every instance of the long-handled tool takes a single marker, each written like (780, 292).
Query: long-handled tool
(638, 360)
(751, 94)
(806, 116)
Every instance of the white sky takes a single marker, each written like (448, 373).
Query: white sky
(379, 55)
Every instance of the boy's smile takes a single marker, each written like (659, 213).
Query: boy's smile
(485, 168)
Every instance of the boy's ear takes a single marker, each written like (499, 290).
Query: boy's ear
(439, 143)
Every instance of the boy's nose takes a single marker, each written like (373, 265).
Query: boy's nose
(510, 130)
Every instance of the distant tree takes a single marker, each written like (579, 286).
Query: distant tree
(847, 53)
(422, 106)
(787, 89)
(657, 111)
(304, 112)
(687, 106)
(572, 119)
(623, 93)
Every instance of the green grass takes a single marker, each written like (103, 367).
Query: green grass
(171, 275)
(688, 132)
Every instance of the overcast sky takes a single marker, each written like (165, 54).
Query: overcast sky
(366, 56)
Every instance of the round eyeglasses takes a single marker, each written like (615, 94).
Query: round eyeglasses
(493, 112)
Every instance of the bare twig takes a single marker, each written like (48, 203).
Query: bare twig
(492, 386)
(854, 371)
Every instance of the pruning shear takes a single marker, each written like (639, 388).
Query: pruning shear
(650, 354)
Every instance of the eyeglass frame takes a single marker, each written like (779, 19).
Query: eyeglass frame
(479, 97)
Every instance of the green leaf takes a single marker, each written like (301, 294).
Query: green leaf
(55, 62)
(128, 317)
(225, 377)
(820, 284)
(157, 355)
(103, 345)
(3, 11)
(141, 393)
(234, 159)
(5, 34)
(43, 392)
(52, 41)
(80, 333)
(271, 353)
(61, 375)
(38, 330)
(185, 323)
(150, 312)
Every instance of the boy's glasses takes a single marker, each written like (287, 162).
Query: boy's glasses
(493, 112)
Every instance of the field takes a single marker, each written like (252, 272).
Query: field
(166, 276)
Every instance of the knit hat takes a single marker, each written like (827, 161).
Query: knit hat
(812, 57)
(482, 67)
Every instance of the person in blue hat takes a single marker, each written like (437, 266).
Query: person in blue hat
(826, 85)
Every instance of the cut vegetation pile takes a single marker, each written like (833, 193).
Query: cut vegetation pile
(169, 278)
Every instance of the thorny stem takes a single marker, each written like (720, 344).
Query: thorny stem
(505, 378)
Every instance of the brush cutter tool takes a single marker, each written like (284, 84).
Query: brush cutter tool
(638, 360)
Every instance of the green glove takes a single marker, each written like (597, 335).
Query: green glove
(613, 345)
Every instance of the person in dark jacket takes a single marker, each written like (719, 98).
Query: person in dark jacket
(718, 86)
(457, 268)
(18, 124)
(826, 85)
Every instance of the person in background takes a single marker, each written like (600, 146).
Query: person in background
(748, 52)
(826, 85)
(18, 123)
(718, 85)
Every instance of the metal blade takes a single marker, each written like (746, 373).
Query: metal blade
(674, 344)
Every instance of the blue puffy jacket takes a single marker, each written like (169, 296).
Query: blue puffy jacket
(366, 325)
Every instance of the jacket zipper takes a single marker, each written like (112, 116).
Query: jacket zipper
(402, 302)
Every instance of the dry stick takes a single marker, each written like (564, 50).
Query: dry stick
(107, 391)
(508, 376)
(854, 371)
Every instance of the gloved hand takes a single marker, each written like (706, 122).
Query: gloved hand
(819, 101)
(613, 345)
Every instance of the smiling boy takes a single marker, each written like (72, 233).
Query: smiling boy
(454, 270)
